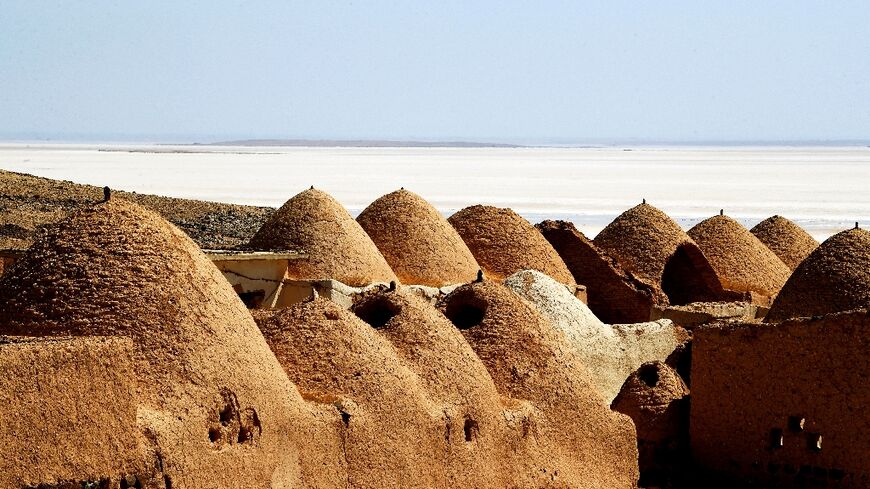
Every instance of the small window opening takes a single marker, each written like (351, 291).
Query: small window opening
(649, 374)
(814, 442)
(253, 299)
(776, 438)
(796, 423)
(226, 415)
(130, 482)
(471, 430)
(464, 315)
(376, 312)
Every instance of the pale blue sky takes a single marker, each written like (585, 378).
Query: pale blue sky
(485, 70)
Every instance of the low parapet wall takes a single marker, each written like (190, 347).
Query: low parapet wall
(784, 403)
(696, 314)
(68, 407)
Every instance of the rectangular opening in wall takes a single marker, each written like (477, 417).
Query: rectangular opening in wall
(776, 440)
(814, 442)
(796, 423)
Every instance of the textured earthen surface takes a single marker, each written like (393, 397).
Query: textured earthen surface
(657, 400)
(528, 358)
(29, 204)
(609, 353)
(504, 243)
(488, 437)
(786, 239)
(417, 241)
(741, 261)
(336, 245)
(649, 244)
(69, 411)
(614, 295)
(214, 406)
(835, 277)
(784, 403)
(391, 434)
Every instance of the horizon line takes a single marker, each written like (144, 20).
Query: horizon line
(451, 142)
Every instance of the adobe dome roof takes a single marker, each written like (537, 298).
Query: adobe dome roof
(336, 245)
(657, 399)
(204, 372)
(504, 243)
(742, 262)
(650, 245)
(417, 241)
(788, 240)
(835, 277)
(528, 358)
(430, 345)
(654, 385)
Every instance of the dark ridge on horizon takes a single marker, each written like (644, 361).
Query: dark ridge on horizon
(359, 143)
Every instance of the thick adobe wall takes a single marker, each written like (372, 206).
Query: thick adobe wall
(613, 294)
(504, 243)
(69, 412)
(529, 359)
(784, 403)
(337, 247)
(419, 244)
(650, 245)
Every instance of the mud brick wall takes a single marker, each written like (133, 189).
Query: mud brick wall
(784, 403)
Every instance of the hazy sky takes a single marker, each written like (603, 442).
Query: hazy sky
(484, 70)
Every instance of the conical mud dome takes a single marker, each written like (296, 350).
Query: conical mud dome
(419, 244)
(529, 359)
(391, 435)
(504, 243)
(742, 262)
(788, 240)
(337, 247)
(215, 408)
(482, 449)
(835, 277)
(657, 399)
(649, 244)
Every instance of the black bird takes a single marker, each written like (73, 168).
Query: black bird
(107, 194)
(479, 278)
(392, 286)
